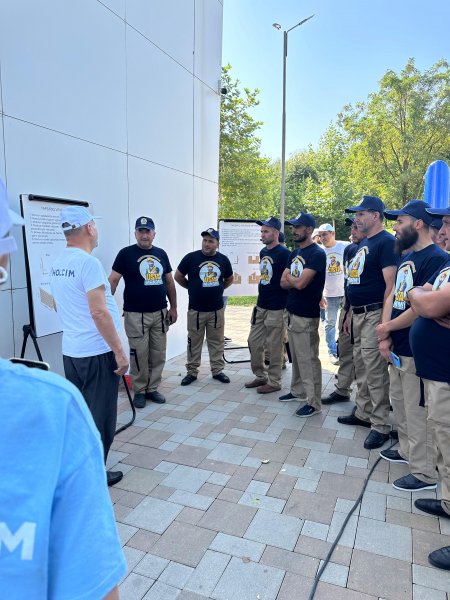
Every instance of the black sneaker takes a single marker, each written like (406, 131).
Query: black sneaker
(188, 379)
(113, 477)
(431, 507)
(222, 378)
(307, 411)
(410, 483)
(393, 456)
(440, 558)
(139, 400)
(335, 397)
(288, 397)
(375, 439)
(155, 397)
(352, 419)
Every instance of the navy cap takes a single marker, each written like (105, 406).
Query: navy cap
(145, 223)
(436, 223)
(281, 237)
(271, 222)
(212, 232)
(349, 221)
(414, 208)
(368, 203)
(440, 212)
(303, 218)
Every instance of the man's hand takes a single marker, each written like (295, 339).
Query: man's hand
(382, 331)
(173, 315)
(323, 304)
(122, 363)
(385, 348)
(347, 326)
(443, 321)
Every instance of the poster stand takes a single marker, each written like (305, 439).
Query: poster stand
(28, 331)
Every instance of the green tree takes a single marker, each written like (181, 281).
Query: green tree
(247, 180)
(398, 132)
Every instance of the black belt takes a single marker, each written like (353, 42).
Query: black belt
(359, 310)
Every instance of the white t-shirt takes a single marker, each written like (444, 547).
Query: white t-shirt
(334, 274)
(73, 275)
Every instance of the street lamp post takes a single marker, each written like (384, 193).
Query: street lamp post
(283, 118)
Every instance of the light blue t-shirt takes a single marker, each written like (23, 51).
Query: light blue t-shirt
(58, 538)
(74, 274)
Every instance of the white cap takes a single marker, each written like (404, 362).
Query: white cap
(326, 227)
(8, 218)
(315, 232)
(73, 217)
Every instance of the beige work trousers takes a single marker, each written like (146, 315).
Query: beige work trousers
(346, 370)
(370, 369)
(211, 323)
(267, 331)
(146, 333)
(303, 333)
(416, 442)
(437, 395)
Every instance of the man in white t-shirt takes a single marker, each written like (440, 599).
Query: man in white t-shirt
(93, 356)
(334, 285)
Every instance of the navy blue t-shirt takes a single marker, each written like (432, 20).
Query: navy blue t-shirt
(365, 281)
(305, 302)
(430, 342)
(144, 275)
(205, 279)
(416, 268)
(271, 266)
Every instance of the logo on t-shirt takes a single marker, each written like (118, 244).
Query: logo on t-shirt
(333, 264)
(210, 274)
(403, 283)
(356, 266)
(266, 270)
(151, 270)
(297, 266)
(442, 279)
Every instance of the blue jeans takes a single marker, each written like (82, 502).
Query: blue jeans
(331, 312)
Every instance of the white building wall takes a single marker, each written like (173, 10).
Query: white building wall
(114, 102)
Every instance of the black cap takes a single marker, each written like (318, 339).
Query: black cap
(281, 237)
(303, 218)
(212, 232)
(271, 222)
(349, 221)
(436, 223)
(441, 212)
(414, 208)
(368, 203)
(145, 223)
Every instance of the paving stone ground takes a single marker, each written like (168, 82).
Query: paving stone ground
(228, 495)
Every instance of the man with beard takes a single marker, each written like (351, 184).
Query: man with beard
(304, 277)
(420, 260)
(148, 280)
(267, 325)
(430, 343)
(346, 370)
(370, 279)
(205, 274)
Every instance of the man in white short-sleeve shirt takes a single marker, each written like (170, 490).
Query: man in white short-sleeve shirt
(93, 354)
(334, 284)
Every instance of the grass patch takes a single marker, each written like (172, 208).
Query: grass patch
(242, 300)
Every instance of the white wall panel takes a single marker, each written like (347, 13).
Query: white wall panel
(205, 204)
(6, 338)
(51, 164)
(63, 66)
(208, 41)
(206, 131)
(160, 106)
(168, 24)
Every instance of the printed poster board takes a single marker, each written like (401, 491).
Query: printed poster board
(241, 241)
(44, 241)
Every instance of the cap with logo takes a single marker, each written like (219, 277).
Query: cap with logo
(145, 223)
(414, 208)
(8, 218)
(372, 203)
(73, 217)
(271, 222)
(326, 227)
(212, 232)
(303, 218)
(349, 221)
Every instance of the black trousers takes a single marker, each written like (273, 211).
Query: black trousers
(95, 378)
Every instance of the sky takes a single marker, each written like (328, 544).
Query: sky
(336, 58)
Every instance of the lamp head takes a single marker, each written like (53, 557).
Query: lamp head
(277, 26)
